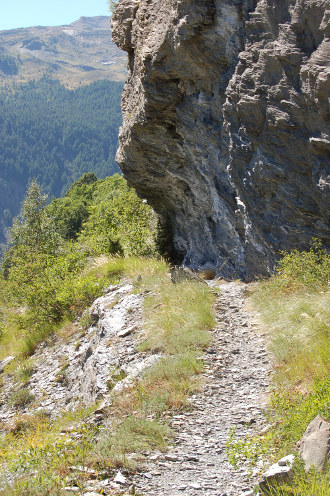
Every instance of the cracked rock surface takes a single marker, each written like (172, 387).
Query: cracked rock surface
(77, 372)
(226, 124)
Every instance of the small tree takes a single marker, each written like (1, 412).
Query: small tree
(34, 228)
(30, 254)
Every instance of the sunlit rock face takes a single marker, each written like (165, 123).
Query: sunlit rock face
(226, 124)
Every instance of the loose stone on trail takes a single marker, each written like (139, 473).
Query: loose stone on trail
(199, 464)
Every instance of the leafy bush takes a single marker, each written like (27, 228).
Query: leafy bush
(119, 221)
(305, 269)
(51, 278)
(34, 228)
(72, 211)
(51, 285)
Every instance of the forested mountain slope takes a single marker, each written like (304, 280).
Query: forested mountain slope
(78, 53)
(55, 134)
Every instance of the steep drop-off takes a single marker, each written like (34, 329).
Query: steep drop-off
(226, 124)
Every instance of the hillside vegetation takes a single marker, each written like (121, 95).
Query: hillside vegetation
(46, 268)
(294, 307)
(53, 134)
(61, 257)
(48, 279)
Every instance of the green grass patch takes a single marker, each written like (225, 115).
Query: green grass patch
(178, 317)
(149, 269)
(294, 307)
(292, 412)
(33, 446)
(138, 414)
(298, 324)
(25, 370)
(21, 398)
(165, 386)
(132, 435)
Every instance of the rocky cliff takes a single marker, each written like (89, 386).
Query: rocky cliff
(226, 124)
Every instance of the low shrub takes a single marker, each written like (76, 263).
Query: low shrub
(21, 398)
(309, 270)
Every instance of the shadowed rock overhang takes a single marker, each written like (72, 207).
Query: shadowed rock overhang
(226, 124)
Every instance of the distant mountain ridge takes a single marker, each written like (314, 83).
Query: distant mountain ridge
(75, 54)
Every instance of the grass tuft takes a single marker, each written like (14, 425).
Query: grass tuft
(178, 317)
(132, 435)
(21, 398)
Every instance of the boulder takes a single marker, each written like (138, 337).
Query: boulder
(281, 471)
(314, 446)
(180, 274)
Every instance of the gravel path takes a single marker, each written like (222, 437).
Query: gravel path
(234, 392)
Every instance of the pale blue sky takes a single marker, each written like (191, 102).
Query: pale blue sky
(26, 13)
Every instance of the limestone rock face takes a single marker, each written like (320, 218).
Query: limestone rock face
(226, 124)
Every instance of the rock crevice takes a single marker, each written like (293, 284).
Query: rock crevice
(226, 125)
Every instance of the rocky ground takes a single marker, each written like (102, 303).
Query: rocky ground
(75, 370)
(236, 381)
(233, 393)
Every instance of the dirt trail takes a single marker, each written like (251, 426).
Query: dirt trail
(234, 389)
(236, 382)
